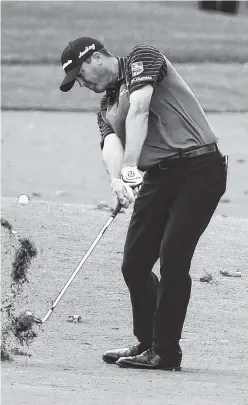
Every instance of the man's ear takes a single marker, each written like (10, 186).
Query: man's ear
(97, 56)
(88, 60)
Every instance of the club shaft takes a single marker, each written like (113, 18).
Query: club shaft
(104, 228)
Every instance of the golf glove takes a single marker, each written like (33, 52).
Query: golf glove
(123, 192)
(131, 176)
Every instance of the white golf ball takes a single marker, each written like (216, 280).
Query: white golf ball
(23, 199)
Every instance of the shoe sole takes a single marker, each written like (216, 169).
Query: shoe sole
(146, 366)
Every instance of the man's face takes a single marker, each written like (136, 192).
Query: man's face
(93, 75)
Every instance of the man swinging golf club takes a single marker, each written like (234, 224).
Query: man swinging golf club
(150, 121)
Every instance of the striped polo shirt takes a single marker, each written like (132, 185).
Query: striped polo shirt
(176, 119)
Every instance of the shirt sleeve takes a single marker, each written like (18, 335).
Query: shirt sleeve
(104, 127)
(145, 65)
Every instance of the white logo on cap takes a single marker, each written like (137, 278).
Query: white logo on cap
(67, 64)
(86, 49)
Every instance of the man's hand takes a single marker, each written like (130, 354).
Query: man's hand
(131, 176)
(123, 192)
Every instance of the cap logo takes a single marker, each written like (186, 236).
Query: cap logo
(86, 49)
(66, 64)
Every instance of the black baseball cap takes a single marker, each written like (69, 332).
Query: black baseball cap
(72, 57)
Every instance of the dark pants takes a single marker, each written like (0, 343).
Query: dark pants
(173, 208)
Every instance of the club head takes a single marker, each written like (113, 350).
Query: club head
(32, 318)
(26, 320)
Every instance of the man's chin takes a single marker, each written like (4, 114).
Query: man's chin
(99, 90)
(94, 88)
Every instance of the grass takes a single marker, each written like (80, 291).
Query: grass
(37, 31)
(219, 88)
(34, 34)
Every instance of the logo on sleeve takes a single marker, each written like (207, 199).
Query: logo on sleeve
(142, 79)
(137, 68)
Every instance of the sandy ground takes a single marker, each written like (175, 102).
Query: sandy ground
(56, 160)
(56, 157)
(66, 365)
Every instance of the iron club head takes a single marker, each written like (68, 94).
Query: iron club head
(24, 327)
(26, 320)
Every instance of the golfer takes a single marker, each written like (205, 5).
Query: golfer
(155, 137)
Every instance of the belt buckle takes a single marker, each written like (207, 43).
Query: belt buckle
(197, 153)
(191, 152)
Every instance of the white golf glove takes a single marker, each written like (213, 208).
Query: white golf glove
(123, 192)
(131, 176)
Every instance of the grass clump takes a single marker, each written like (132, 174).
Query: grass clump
(17, 329)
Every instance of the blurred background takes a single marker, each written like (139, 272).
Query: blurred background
(34, 33)
(50, 140)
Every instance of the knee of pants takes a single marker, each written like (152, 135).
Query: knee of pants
(135, 273)
(175, 269)
(175, 262)
(129, 272)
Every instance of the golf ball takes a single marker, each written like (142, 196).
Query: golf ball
(23, 199)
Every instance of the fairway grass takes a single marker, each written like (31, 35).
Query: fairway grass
(66, 365)
(37, 32)
(219, 87)
(209, 49)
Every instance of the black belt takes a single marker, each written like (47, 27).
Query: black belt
(186, 153)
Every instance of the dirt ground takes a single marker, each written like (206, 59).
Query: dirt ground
(56, 160)
(66, 365)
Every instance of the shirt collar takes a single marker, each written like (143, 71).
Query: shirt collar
(111, 91)
(121, 68)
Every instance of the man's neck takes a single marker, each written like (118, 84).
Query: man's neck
(114, 70)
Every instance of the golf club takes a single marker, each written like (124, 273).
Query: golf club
(30, 318)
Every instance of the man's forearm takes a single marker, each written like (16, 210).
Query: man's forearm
(113, 156)
(136, 132)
